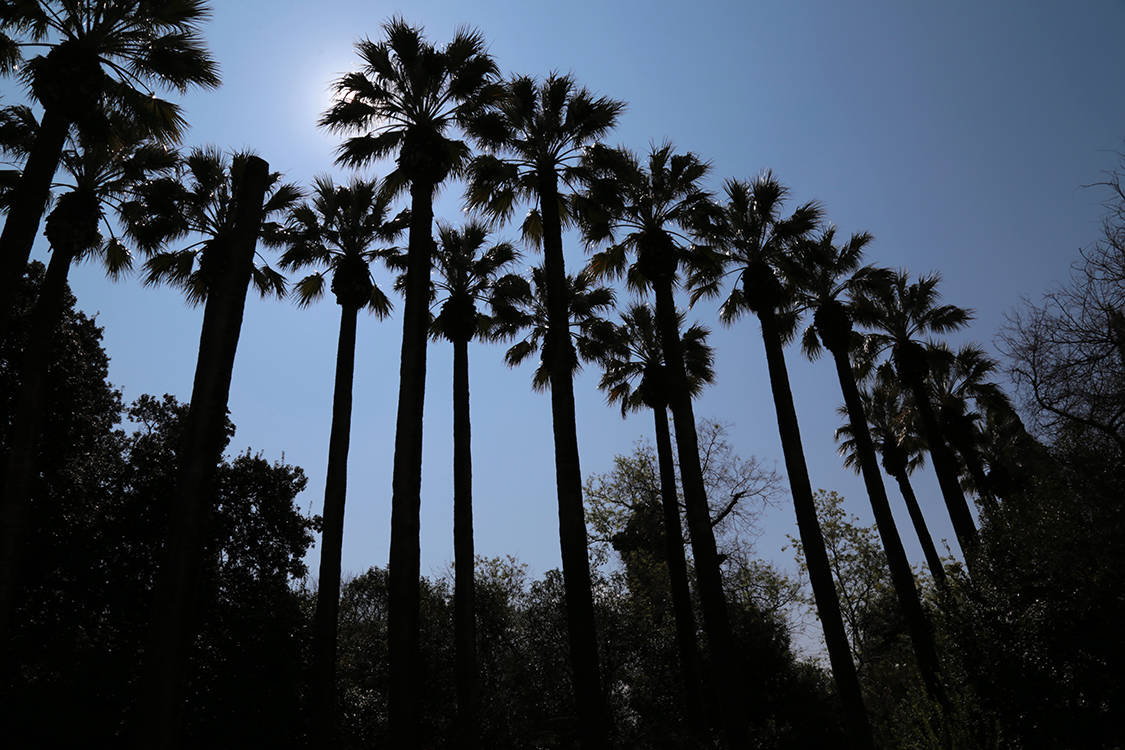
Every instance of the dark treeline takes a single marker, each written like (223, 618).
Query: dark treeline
(151, 586)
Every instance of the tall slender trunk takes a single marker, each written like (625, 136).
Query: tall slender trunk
(921, 632)
(713, 600)
(29, 199)
(933, 560)
(690, 661)
(404, 699)
(945, 466)
(164, 675)
(27, 428)
(812, 540)
(464, 583)
(593, 720)
(325, 628)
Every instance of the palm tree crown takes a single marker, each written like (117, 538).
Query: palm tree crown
(899, 312)
(466, 274)
(520, 305)
(342, 229)
(201, 201)
(637, 357)
(824, 277)
(754, 239)
(118, 51)
(655, 207)
(543, 130)
(406, 98)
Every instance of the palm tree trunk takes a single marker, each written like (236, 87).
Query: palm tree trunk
(593, 721)
(690, 661)
(163, 679)
(404, 693)
(812, 540)
(713, 600)
(28, 201)
(919, 521)
(945, 466)
(464, 584)
(921, 633)
(27, 428)
(332, 537)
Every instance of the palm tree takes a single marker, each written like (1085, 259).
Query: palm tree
(646, 211)
(342, 230)
(405, 100)
(898, 312)
(467, 273)
(228, 204)
(820, 274)
(893, 434)
(958, 378)
(540, 130)
(756, 239)
(638, 356)
(98, 55)
(101, 174)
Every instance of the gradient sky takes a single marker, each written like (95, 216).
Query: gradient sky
(959, 134)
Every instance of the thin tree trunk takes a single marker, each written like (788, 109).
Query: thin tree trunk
(404, 699)
(933, 560)
(921, 632)
(593, 720)
(945, 466)
(464, 584)
(690, 661)
(812, 540)
(713, 600)
(25, 210)
(325, 628)
(27, 428)
(163, 679)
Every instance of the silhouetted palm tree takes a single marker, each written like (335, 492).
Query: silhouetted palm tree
(467, 272)
(98, 55)
(960, 380)
(647, 211)
(404, 102)
(224, 203)
(342, 230)
(539, 131)
(898, 312)
(821, 273)
(893, 434)
(637, 356)
(100, 174)
(755, 238)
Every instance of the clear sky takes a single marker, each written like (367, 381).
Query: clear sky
(959, 134)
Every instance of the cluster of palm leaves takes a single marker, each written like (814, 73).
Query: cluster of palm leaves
(539, 145)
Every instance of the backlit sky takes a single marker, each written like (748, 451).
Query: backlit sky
(959, 134)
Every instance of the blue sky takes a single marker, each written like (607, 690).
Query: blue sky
(959, 134)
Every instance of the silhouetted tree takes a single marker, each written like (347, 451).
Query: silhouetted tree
(821, 273)
(234, 210)
(898, 312)
(101, 174)
(343, 230)
(404, 102)
(637, 356)
(467, 272)
(97, 54)
(539, 130)
(755, 238)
